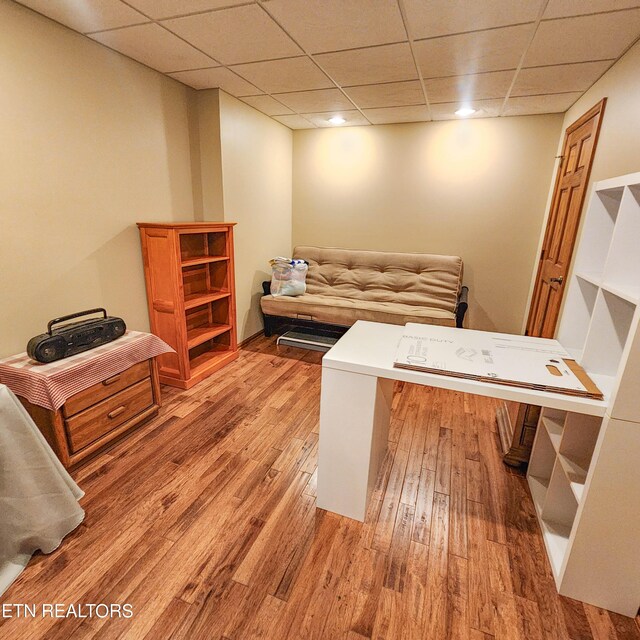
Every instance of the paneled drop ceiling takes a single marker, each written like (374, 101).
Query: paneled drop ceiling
(370, 61)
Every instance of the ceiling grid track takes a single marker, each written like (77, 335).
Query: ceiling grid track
(543, 8)
(428, 55)
(218, 64)
(403, 14)
(310, 56)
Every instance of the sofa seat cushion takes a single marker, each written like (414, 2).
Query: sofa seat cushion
(346, 311)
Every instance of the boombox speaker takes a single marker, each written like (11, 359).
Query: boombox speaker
(75, 337)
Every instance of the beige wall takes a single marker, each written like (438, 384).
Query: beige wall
(618, 150)
(474, 188)
(256, 177)
(207, 155)
(91, 142)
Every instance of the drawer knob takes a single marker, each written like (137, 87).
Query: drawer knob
(111, 380)
(116, 412)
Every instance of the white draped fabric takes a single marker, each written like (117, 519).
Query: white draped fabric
(38, 498)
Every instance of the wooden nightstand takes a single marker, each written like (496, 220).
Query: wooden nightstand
(93, 418)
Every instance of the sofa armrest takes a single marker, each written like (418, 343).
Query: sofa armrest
(462, 306)
(266, 287)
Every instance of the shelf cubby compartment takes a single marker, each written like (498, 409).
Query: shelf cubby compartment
(207, 354)
(598, 231)
(553, 421)
(541, 467)
(575, 472)
(578, 442)
(204, 283)
(607, 335)
(200, 248)
(622, 270)
(207, 321)
(581, 300)
(579, 438)
(557, 517)
(556, 540)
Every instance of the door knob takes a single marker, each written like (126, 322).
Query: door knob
(559, 280)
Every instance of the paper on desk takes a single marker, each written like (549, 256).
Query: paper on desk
(500, 358)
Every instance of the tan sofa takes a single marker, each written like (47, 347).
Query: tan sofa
(344, 286)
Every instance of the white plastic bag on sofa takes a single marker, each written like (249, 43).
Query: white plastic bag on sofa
(288, 277)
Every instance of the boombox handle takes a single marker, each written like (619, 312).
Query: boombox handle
(74, 315)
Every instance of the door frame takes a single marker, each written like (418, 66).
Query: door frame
(597, 108)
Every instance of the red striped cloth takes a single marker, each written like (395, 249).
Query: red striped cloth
(49, 385)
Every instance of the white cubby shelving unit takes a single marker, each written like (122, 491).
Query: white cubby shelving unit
(584, 472)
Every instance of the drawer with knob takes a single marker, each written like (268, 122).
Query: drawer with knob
(96, 421)
(106, 388)
(93, 418)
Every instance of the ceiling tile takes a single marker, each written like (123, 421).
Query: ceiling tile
(390, 94)
(553, 103)
(159, 9)
(388, 115)
(93, 15)
(558, 78)
(294, 122)
(476, 52)
(484, 109)
(154, 46)
(467, 52)
(598, 37)
(218, 77)
(291, 74)
(331, 25)
(370, 66)
(313, 101)
(466, 89)
(267, 105)
(565, 8)
(353, 118)
(237, 35)
(430, 18)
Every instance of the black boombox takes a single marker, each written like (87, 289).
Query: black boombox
(75, 337)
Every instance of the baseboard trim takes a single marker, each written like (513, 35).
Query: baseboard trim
(246, 341)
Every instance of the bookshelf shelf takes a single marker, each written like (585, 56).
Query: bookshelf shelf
(198, 335)
(621, 291)
(208, 359)
(203, 260)
(203, 297)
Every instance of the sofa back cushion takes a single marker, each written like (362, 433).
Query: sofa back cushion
(419, 279)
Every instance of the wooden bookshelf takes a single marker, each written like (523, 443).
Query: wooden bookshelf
(189, 273)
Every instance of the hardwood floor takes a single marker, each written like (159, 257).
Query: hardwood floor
(205, 522)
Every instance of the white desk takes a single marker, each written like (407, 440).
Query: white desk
(355, 405)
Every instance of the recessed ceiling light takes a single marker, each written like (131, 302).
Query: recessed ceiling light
(337, 120)
(463, 112)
